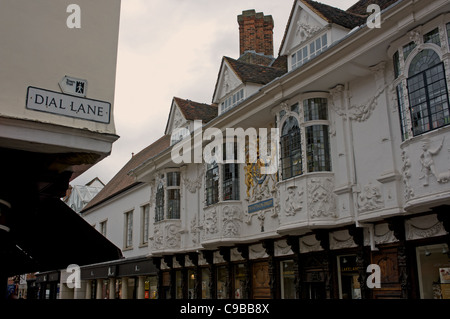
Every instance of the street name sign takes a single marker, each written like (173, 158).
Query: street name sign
(68, 105)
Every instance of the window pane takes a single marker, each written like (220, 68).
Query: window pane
(159, 205)
(396, 64)
(448, 33)
(291, 159)
(428, 98)
(432, 37)
(173, 179)
(317, 148)
(212, 184)
(231, 182)
(315, 109)
(407, 49)
(173, 204)
(423, 61)
(401, 108)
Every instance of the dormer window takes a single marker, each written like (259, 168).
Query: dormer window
(232, 100)
(309, 51)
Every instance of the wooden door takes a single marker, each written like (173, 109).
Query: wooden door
(261, 280)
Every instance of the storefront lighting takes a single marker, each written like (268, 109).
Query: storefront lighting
(427, 252)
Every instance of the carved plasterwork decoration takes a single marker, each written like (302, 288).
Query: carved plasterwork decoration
(406, 175)
(158, 238)
(282, 248)
(424, 227)
(341, 239)
(370, 198)
(309, 244)
(257, 251)
(195, 229)
(178, 119)
(427, 162)
(194, 185)
(361, 112)
(304, 27)
(294, 201)
(166, 235)
(259, 186)
(210, 221)
(382, 235)
(321, 198)
(173, 236)
(232, 220)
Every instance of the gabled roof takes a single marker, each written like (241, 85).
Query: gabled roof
(361, 6)
(122, 181)
(334, 15)
(256, 58)
(254, 73)
(249, 72)
(196, 111)
(346, 19)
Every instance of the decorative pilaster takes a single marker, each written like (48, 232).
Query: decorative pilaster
(397, 225)
(181, 259)
(243, 250)
(324, 239)
(198, 273)
(225, 252)
(293, 241)
(168, 260)
(361, 259)
(269, 246)
(208, 255)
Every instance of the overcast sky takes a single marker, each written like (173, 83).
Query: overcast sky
(173, 48)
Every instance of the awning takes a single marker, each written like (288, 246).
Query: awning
(52, 236)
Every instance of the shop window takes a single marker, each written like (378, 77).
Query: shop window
(349, 287)
(433, 268)
(191, 284)
(291, 150)
(287, 279)
(239, 274)
(179, 284)
(222, 282)
(205, 283)
(151, 287)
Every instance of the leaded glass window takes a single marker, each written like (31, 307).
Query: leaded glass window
(212, 183)
(317, 148)
(291, 150)
(159, 207)
(428, 94)
(315, 109)
(432, 37)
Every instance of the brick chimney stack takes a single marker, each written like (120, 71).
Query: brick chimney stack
(255, 32)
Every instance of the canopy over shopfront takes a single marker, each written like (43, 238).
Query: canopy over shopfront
(39, 232)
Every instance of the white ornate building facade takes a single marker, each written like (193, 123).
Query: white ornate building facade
(363, 163)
